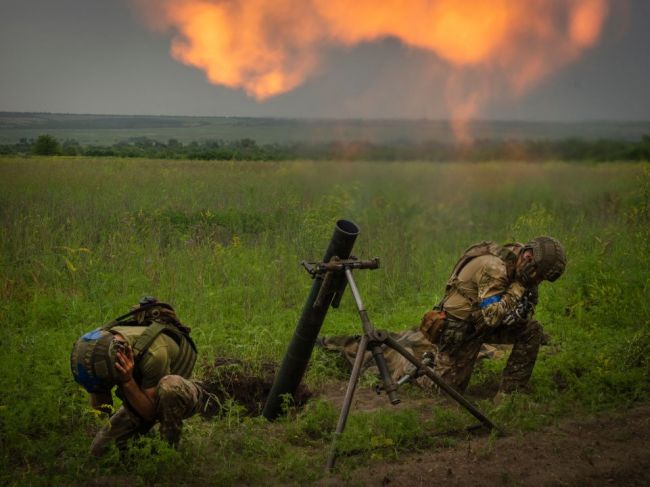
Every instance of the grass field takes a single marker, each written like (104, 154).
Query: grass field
(82, 240)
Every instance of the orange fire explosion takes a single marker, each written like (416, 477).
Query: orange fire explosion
(268, 47)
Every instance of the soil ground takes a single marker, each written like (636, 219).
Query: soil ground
(611, 449)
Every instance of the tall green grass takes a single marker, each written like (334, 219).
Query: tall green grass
(82, 240)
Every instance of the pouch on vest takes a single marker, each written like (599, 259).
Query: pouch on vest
(432, 324)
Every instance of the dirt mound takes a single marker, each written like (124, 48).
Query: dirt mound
(244, 383)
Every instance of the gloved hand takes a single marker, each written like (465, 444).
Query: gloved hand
(530, 298)
(516, 290)
(523, 310)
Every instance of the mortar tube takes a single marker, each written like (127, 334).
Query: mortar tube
(296, 359)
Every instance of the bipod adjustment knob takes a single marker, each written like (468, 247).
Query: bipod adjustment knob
(378, 337)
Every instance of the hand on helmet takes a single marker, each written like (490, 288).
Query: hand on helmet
(125, 364)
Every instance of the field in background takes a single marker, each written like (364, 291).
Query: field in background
(82, 240)
(110, 129)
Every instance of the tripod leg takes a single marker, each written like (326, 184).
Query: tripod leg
(347, 401)
(375, 339)
(458, 397)
(389, 384)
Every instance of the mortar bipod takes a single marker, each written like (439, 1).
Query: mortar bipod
(337, 274)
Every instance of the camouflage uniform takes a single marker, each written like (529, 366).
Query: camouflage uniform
(412, 340)
(484, 292)
(177, 397)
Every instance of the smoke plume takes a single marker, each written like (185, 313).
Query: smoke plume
(491, 47)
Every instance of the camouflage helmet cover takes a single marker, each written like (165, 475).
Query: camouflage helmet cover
(549, 257)
(92, 360)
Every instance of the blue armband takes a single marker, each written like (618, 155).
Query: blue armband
(491, 300)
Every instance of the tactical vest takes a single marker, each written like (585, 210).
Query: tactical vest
(159, 318)
(504, 252)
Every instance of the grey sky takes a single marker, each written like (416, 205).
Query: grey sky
(97, 56)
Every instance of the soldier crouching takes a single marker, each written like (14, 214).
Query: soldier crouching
(490, 298)
(149, 356)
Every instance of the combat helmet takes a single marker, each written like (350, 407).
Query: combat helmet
(92, 360)
(548, 256)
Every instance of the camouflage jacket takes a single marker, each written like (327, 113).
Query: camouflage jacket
(484, 292)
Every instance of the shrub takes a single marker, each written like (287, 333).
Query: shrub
(46, 145)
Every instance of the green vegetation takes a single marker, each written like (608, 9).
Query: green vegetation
(46, 145)
(246, 139)
(107, 130)
(83, 239)
(246, 149)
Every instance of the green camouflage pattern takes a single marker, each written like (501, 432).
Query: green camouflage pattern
(456, 362)
(177, 399)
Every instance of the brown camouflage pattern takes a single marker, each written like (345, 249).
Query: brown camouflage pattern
(468, 327)
(481, 278)
(178, 398)
(412, 339)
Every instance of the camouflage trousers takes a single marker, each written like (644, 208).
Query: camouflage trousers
(177, 399)
(459, 349)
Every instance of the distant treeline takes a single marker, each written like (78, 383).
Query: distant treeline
(570, 149)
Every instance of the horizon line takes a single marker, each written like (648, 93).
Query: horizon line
(336, 119)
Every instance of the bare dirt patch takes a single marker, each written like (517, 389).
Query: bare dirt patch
(248, 385)
(609, 449)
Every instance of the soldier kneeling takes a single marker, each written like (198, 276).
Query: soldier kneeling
(490, 298)
(149, 355)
